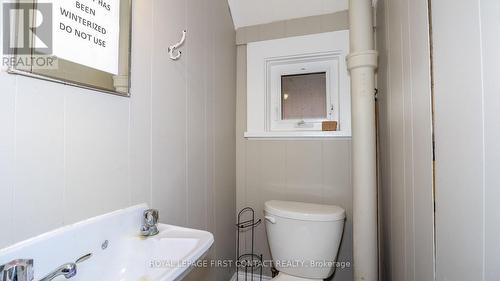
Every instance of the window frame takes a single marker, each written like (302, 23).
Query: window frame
(261, 53)
(327, 64)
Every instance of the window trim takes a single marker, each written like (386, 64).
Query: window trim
(257, 104)
(277, 68)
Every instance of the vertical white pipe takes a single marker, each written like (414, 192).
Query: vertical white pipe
(362, 62)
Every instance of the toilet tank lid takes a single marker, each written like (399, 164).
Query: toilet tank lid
(304, 211)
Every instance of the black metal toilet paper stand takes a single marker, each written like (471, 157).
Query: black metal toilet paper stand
(247, 262)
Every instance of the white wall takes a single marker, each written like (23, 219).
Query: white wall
(255, 12)
(314, 170)
(467, 121)
(405, 141)
(67, 154)
(466, 129)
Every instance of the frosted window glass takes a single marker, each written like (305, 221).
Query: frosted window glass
(303, 96)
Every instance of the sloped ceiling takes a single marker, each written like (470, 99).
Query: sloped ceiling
(253, 12)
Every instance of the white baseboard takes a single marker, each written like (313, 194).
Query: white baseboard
(255, 277)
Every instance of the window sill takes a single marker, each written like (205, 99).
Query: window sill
(298, 135)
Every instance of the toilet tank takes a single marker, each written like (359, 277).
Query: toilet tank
(304, 238)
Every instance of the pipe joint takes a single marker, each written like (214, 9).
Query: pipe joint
(367, 58)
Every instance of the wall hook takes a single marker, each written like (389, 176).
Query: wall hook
(172, 50)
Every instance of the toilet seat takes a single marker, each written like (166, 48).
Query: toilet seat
(285, 277)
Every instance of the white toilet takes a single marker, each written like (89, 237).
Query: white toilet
(304, 239)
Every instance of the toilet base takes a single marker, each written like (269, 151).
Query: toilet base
(285, 277)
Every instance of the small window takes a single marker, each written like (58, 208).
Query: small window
(303, 93)
(298, 87)
(303, 96)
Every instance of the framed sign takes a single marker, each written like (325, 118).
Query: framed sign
(83, 43)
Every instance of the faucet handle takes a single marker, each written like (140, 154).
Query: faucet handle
(151, 217)
(17, 270)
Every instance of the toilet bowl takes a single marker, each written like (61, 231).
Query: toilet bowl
(304, 239)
